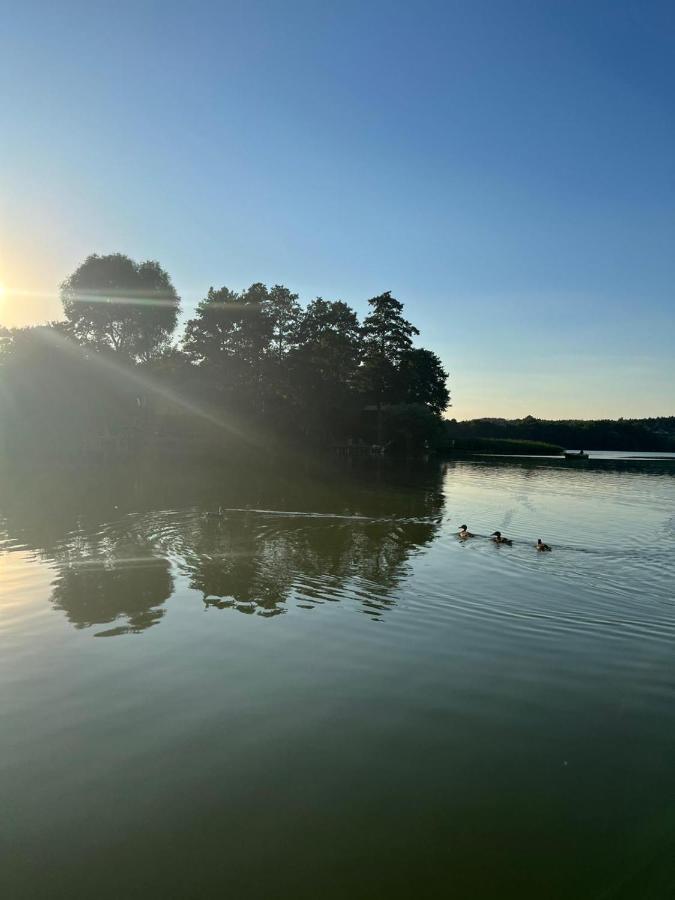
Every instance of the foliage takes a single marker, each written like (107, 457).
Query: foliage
(252, 363)
(283, 312)
(504, 446)
(413, 428)
(423, 379)
(328, 342)
(113, 303)
(386, 337)
(229, 338)
(323, 367)
(599, 434)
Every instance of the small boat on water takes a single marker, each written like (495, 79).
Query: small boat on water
(575, 455)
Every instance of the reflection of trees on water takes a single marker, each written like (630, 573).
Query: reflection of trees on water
(237, 567)
(120, 574)
(120, 578)
(255, 563)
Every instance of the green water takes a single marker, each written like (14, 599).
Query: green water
(324, 694)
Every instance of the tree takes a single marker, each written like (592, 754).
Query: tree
(413, 428)
(423, 379)
(324, 364)
(253, 362)
(386, 337)
(213, 333)
(230, 336)
(283, 310)
(329, 341)
(385, 331)
(113, 303)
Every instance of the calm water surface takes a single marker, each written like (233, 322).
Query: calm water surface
(323, 693)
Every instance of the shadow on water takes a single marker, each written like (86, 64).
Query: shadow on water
(120, 539)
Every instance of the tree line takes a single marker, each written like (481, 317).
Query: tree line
(650, 434)
(258, 358)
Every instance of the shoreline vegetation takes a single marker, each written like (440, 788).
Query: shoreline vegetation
(250, 371)
(503, 446)
(648, 435)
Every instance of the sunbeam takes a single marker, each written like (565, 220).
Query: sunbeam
(147, 384)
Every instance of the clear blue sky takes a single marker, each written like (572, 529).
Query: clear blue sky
(505, 168)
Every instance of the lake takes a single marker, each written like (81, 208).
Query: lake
(322, 692)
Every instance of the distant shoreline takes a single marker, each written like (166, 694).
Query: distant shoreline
(649, 435)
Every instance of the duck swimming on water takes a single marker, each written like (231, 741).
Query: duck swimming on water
(541, 546)
(464, 533)
(498, 539)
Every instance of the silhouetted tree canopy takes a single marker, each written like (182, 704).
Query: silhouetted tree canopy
(284, 312)
(423, 379)
(253, 365)
(113, 303)
(386, 337)
(655, 434)
(229, 327)
(251, 361)
(324, 364)
(229, 338)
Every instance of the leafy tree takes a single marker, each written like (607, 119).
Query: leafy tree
(213, 333)
(113, 303)
(324, 365)
(229, 326)
(256, 355)
(423, 379)
(385, 331)
(329, 339)
(386, 337)
(284, 312)
(413, 428)
(229, 337)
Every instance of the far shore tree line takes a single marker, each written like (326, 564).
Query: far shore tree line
(250, 366)
(648, 434)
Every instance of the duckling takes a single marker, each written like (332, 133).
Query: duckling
(464, 533)
(541, 546)
(498, 539)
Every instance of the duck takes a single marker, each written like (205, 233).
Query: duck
(541, 546)
(214, 515)
(464, 533)
(498, 539)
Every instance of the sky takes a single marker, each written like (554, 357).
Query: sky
(506, 169)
